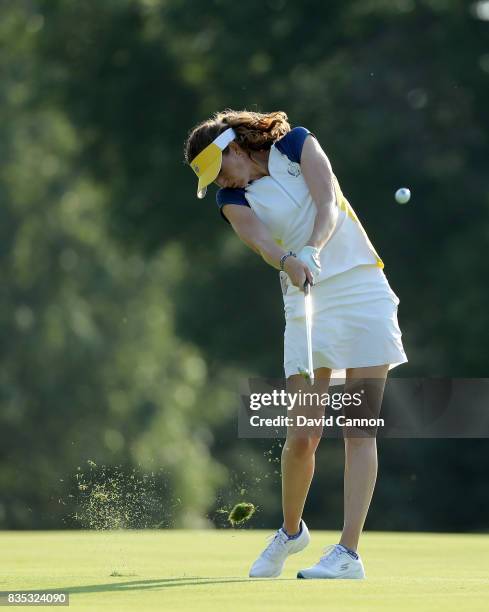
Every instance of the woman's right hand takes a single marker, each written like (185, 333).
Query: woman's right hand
(298, 272)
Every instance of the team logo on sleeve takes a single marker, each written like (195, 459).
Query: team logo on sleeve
(294, 168)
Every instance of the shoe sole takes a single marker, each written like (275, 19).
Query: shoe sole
(300, 576)
(275, 575)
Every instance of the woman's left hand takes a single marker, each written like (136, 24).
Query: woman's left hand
(310, 256)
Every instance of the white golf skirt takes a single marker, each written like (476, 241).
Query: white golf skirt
(354, 324)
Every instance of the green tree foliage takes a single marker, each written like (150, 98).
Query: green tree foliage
(90, 364)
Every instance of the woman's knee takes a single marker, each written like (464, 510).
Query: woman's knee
(353, 443)
(301, 447)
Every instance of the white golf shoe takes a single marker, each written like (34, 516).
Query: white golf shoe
(271, 561)
(335, 563)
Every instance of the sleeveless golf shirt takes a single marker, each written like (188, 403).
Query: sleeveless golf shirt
(282, 201)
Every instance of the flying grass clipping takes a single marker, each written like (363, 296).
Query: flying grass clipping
(241, 513)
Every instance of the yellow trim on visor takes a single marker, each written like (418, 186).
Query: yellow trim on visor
(207, 164)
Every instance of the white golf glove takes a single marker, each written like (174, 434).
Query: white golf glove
(310, 256)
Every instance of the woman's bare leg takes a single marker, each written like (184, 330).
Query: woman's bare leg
(299, 451)
(361, 459)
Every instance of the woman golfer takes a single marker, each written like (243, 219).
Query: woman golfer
(279, 194)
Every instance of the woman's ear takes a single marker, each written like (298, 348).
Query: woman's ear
(235, 148)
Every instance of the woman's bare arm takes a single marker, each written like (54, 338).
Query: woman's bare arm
(254, 233)
(318, 175)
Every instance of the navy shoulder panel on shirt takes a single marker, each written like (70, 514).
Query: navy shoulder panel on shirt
(227, 195)
(291, 144)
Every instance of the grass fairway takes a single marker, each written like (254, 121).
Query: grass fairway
(206, 570)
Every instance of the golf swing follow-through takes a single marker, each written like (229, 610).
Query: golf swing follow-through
(279, 194)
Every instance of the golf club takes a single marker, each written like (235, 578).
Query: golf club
(308, 309)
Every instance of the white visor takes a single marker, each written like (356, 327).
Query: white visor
(225, 138)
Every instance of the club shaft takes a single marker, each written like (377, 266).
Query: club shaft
(308, 309)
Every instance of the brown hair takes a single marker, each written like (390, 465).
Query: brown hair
(254, 131)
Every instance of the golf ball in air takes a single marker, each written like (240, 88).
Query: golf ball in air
(403, 195)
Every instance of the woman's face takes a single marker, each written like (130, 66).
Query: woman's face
(236, 168)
